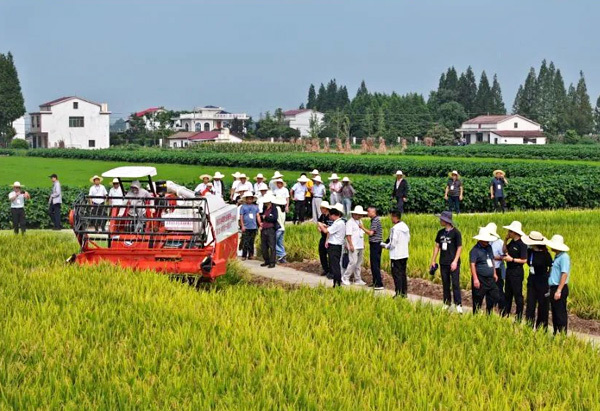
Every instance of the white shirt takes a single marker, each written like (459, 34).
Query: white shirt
(98, 191)
(337, 232)
(256, 187)
(115, 192)
(497, 249)
(335, 187)
(281, 192)
(218, 188)
(200, 188)
(17, 200)
(399, 239)
(318, 190)
(281, 219)
(358, 235)
(299, 191)
(247, 186)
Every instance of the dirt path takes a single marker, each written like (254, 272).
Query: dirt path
(308, 274)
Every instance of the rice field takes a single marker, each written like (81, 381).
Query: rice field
(579, 228)
(100, 337)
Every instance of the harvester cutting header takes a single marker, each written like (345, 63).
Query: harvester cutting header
(163, 227)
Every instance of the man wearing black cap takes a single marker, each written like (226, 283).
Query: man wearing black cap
(448, 244)
(55, 203)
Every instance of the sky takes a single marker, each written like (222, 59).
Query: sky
(256, 55)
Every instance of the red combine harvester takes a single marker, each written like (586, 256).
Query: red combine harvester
(166, 228)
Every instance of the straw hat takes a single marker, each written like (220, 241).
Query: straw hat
(359, 210)
(218, 175)
(399, 173)
(277, 200)
(345, 180)
(242, 175)
(262, 187)
(115, 181)
(334, 176)
(499, 171)
(278, 180)
(248, 194)
(515, 227)
(557, 242)
(317, 179)
(534, 238)
(268, 198)
(315, 172)
(16, 184)
(236, 174)
(259, 175)
(492, 229)
(276, 175)
(446, 216)
(338, 207)
(96, 177)
(484, 235)
(325, 204)
(454, 172)
(303, 179)
(203, 176)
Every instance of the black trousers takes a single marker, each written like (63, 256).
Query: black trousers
(334, 252)
(18, 219)
(375, 261)
(399, 275)
(248, 237)
(537, 289)
(97, 210)
(308, 207)
(560, 318)
(500, 204)
(513, 289)
(451, 278)
(501, 297)
(487, 289)
(323, 255)
(299, 211)
(267, 245)
(54, 212)
(400, 205)
(454, 204)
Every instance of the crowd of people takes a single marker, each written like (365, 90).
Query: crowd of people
(497, 265)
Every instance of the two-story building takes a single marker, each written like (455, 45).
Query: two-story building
(70, 122)
(502, 129)
(149, 117)
(300, 119)
(207, 118)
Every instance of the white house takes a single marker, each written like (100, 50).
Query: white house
(70, 122)
(504, 129)
(207, 118)
(300, 119)
(20, 128)
(186, 138)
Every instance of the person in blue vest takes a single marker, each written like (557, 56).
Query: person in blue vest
(497, 187)
(483, 273)
(559, 283)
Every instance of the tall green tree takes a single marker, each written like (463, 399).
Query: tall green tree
(381, 123)
(483, 100)
(369, 123)
(597, 116)
(12, 104)
(321, 98)
(342, 99)
(467, 90)
(526, 100)
(581, 116)
(362, 90)
(312, 98)
(497, 103)
(559, 122)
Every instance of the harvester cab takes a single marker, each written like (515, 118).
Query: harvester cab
(156, 225)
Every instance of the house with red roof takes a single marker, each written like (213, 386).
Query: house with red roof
(183, 139)
(70, 122)
(149, 117)
(300, 119)
(501, 129)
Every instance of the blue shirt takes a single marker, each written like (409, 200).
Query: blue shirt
(248, 213)
(498, 187)
(561, 264)
(483, 258)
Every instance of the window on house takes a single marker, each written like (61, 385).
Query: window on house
(206, 127)
(187, 127)
(516, 125)
(75, 121)
(478, 125)
(75, 105)
(480, 137)
(198, 127)
(529, 140)
(91, 143)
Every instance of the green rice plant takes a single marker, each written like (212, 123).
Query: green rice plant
(101, 337)
(579, 228)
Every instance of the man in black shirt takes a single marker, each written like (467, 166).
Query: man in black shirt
(322, 223)
(454, 192)
(400, 191)
(516, 257)
(483, 273)
(448, 244)
(539, 261)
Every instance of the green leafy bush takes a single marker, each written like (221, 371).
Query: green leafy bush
(19, 144)
(541, 152)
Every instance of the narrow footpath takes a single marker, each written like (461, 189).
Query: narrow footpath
(301, 278)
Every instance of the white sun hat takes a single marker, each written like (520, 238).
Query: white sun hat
(485, 235)
(115, 181)
(248, 194)
(534, 238)
(557, 242)
(334, 176)
(262, 187)
(268, 198)
(259, 175)
(315, 172)
(303, 179)
(359, 210)
(218, 175)
(96, 177)
(16, 184)
(399, 173)
(325, 204)
(339, 207)
(277, 175)
(515, 227)
(345, 180)
(317, 179)
(236, 174)
(242, 176)
(278, 180)
(492, 228)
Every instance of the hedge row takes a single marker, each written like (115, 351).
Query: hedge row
(347, 163)
(541, 152)
(425, 196)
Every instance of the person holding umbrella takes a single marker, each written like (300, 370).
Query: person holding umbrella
(17, 199)
(499, 182)
(559, 283)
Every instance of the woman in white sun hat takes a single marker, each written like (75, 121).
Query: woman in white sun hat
(559, 282)
(347, 193)
(539, 261)
(516, 257)
(17, 199)
(335, 190)
(483, 274)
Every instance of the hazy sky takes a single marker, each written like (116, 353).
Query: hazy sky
(254, 56)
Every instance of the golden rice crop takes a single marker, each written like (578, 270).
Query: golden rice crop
(106, 338)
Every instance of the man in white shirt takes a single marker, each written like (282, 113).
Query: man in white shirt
(355, 238)
(281, 191)
(17, 199)
(202, 186)
(243, 186)
(273, 182)
(97, 198)
(234, 186)
(298, 192)
(260, 180)
(115, 197)
(318, 192)
(335, 241)
(218, 186)
(398, 246)
(335, 190)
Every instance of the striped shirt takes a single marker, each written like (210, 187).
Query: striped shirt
(377, 229)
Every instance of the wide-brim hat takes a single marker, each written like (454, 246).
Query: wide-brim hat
(446, 216)
(334, 176)
(236, 174)
(317, 179)
(499, 171)
(218, 175)
(268, 198)
(278, 180)
(303, 179)
(115, 181)
(242, 175)
(96, 178)
(338, 207)
(325, 204)
(248, 194)
(17, 184)
(515, 227)
(492, 228)
(259, 175)
(315, 172)
(484, 235)
(262, 186)
(534, 238)
(399, 173)
(358, 210)
(277, 175)
(345, 180)
(278, 200)
(203, 176)
(557, 242)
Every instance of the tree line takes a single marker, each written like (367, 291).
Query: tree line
(12, 104)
